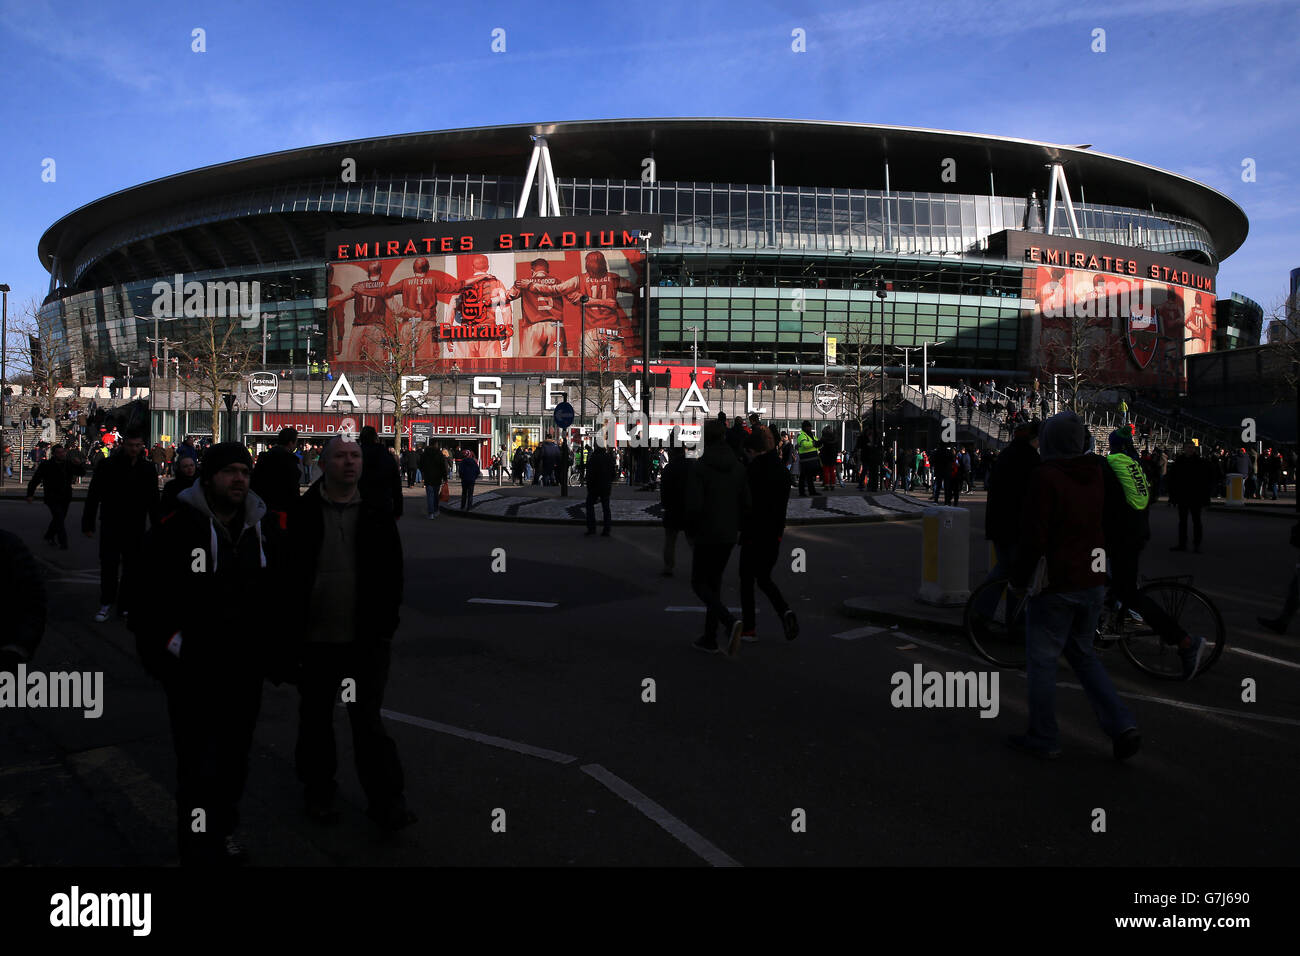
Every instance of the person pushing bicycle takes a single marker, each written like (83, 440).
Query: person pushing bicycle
(1127, 528)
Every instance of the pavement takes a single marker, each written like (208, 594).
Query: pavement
(519, 692)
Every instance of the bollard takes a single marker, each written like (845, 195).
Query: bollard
(1236, 496)
(945, 557)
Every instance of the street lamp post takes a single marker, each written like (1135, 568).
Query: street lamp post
(880, 405)
(4, 370)
(582, 355)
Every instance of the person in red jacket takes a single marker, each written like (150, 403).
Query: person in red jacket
(1061, 529)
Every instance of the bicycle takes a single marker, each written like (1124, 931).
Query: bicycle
(999, 637)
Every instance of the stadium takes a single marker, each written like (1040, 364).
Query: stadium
(777, 255)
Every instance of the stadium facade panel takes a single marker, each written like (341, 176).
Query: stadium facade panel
(776, 237)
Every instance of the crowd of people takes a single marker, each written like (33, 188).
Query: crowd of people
(187, 527)
(224, 527)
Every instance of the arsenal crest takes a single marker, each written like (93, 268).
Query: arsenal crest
(826, 398)
(262, 387)
(1143, 338)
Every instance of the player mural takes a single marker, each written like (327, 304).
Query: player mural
(1130, 330)
(517, 311)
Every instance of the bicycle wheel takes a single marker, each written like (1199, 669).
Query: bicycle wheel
(995, 624)
(1191, 610)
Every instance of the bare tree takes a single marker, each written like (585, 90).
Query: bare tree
(216, 357)
(1282, 335)
(859, 387)
(601, 360)
(1086, 352)
(390, 359)
(36, 357)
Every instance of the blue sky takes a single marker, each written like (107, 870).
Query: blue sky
(113, 93)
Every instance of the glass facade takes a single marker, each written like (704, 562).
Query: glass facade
(762, 273)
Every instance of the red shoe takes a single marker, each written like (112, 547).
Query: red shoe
(749, 637)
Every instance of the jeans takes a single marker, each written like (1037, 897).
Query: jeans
(670, 546)
(1067, 621)
(58, 514)
(1183, 511)
(1292, 602)
(756, 563)
(118, 554)
(592, 498)
(1001, 571)
(808, 476)
(708, 563)
(212, 717)
(466, 495)
(324, 666)
(431, 497)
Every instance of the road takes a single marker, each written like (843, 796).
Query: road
(534, 717)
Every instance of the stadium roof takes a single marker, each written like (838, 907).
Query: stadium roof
(719, 150)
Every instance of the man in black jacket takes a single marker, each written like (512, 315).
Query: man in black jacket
(1190, 483)
(1008, 484)
(126, 487)
(56, 473)
(410, 465)
(600, 482)
(25, 617)
(277, 473)
(672, 499)
(761, 532)
(347, 556)
(433, 471)
(215, 570)
(381, 482)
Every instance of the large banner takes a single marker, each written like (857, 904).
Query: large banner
(536, 298)
(1130, 330)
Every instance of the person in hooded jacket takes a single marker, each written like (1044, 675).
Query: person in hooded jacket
(220, 551)
(187, 472)
(717, 502)
(1062, 524)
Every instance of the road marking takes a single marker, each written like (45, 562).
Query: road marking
(512, 603)
(858, 632)
(1265, 657)
(1180, 704)
(675, 828)
(1184, 705)
(701, 610)
(520, 748)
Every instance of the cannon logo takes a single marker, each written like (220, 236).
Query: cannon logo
(262, 387)
(826, 398)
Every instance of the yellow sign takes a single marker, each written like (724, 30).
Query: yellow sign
(164, 437)
(830, 349)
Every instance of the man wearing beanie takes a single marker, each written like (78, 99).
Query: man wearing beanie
(1061, 527)
(212, 566)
